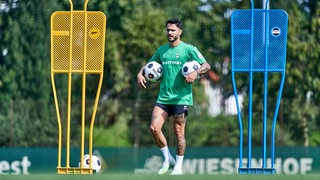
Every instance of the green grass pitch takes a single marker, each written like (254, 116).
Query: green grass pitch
(157, 177)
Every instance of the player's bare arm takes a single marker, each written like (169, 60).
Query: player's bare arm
(141, 80)
(193, 75)
(203, 68)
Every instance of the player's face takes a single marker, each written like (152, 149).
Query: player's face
(173, 32)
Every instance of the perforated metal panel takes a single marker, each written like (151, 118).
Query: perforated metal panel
(266, 50)
(87, 54)
(258, 42)
(77, 47)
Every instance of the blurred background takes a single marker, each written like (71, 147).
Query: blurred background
(135, 28)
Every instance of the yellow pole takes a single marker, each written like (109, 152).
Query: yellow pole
(56, 103)
(84, 84)
(69, 87)
(96, 101)
(57, 110)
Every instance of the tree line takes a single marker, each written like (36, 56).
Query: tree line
(135, 29)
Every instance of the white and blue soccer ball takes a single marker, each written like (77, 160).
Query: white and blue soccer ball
(189, 67)
(96, 163)
(153, 71)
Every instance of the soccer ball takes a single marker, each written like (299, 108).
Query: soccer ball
(153, 71)
(189, 67)
(96, 163)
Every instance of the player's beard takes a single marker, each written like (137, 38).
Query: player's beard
(172, 38)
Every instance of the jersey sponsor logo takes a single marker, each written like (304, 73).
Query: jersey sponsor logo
(172, 62)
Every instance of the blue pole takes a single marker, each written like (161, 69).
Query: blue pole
(238, 107)
(250, 88)
(266, 4)
(265, 98)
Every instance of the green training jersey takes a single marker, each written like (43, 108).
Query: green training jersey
(173, 88)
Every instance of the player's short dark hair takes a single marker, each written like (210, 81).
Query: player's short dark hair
(175, 21)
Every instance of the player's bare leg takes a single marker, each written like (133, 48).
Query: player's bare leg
(158, 118)
(179, 123)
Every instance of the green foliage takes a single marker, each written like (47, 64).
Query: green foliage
(303, 72)
(134, 30)
(24, 91)
(115, 136)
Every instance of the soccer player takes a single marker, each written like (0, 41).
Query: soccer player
(175, 94)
